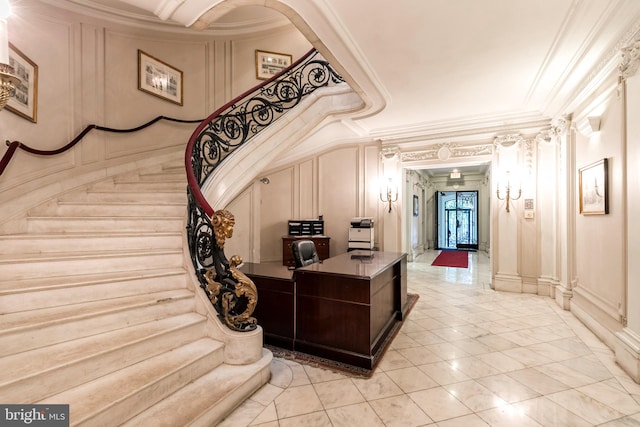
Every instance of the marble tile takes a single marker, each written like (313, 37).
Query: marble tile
(403, 341)
(337, 393)
(297, 401)
(354, 415)
(244, 415)
(425, 337)
(377, 387)
(612, 397)
(299, 375)
(565, 374)
(281, 373)
(443, 373)
(508, 416)
(588, 407)
(471, 346)
(267, 394)
(315, 419)
(500, 361)
(473, 367)
(393, 360)
(400, 411)
(537, 381)
(447, 351)
(496, 342)
(411, 379)
(527, 357)
(590, 366)
(464, 421)
(318, 375)
(419, 355)
(474, 395)
(507, 388)
(549, 413)
(439, 404)
(268, 415)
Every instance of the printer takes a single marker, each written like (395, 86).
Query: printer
(361, 234)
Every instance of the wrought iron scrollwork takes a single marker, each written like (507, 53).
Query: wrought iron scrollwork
(233, 294)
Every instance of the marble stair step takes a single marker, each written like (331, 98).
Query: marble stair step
(172, 176)
(115, 398)
(139, 186)
(26, 266)
(207, 400)
(165, 196)
(27, 330)
(81, 208)
(33, 375)
(35, 294)
(106, 223)
(82, 242)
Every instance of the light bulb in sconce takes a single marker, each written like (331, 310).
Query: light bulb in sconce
(390, 193)
(507, 188)
(8, 81)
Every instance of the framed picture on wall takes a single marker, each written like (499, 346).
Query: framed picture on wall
(416, 205)
(25, 101)
(159, 78)
(594, 188)
(268, 64)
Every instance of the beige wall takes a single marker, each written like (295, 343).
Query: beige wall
(600, 239)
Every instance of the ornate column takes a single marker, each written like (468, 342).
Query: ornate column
(627, 345)
(550, 178)
(507, 166)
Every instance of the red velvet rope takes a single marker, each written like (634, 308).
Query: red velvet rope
(13, 146)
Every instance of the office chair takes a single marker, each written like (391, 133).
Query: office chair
(304, 252)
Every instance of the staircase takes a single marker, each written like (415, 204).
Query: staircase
(98, 311)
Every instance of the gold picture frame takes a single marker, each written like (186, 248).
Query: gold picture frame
(25, 101)
(268, 64)
(160, 79)
(594, 188)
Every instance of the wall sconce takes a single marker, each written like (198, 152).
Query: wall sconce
(507, 196)
(8, 81)
(389, 197)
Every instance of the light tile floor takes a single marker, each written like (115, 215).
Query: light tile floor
(466, 356)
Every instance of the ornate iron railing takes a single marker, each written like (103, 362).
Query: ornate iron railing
(226, 130)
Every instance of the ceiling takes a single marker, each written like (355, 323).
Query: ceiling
(437, 70)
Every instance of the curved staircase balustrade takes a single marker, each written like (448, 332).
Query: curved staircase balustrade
(14, 145)
(226, 130)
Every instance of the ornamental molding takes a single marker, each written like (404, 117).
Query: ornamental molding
(388, 153)
(630, 59)
(446, 151)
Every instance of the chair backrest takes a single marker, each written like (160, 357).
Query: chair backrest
(304, 252)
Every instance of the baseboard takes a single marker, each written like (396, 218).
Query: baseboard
(627, 350)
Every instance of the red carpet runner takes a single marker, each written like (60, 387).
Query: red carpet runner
(458, 259)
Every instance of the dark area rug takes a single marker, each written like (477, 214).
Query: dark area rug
(343, 368)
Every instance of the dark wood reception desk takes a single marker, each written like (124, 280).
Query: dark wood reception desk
(342, 309)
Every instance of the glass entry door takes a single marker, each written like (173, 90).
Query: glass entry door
(457, 224)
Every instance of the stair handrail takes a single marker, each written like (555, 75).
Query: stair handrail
(14, 145)
(226, 130)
